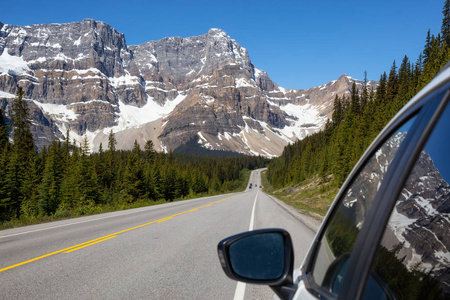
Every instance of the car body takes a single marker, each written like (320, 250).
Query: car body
(387, 233)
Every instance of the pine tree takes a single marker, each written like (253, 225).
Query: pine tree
(70, 189)
(338, 111)
(30, 192)
(427, 48)
(149, 151)
(50, 189)
(133, 181)
(5, 207)
(112, 142)
(22, 151)
(364, 92)
(87, 181)
(169, 184)
(354, 101)
(111, 167)
(3, 132)
(392, 84)
(445, 28)
(199, 184)
(23, 142)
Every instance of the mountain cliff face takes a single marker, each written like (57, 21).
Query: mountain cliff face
(82, 79)
(421, 221)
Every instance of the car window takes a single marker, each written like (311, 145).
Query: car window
(413, 258)
(338, 240)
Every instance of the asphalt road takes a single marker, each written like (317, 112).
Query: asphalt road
(166, 251)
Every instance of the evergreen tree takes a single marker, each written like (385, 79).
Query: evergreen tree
(169, 184)
(199, 184)
(87, 181)
(30, 192)
(338, 111)
(50, 189)
(5, 206)
(112, 142)
(427, 48)
(354, 101)
(133, 181)
(70, 187)
(22, 151)
(111, 166)
(149, 151)
(4, 136)
(445, 28)
(364, 92)
(392, 84)
(23, 142)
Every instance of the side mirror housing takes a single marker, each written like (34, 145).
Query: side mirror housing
(260, 257)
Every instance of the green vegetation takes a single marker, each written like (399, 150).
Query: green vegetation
(312, 197)
(357, 119)
(65, 180)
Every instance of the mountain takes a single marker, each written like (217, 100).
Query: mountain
(420, 220)
(82, 78)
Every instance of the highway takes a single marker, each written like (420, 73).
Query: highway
(166, 251)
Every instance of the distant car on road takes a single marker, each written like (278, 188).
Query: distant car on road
(386, 235)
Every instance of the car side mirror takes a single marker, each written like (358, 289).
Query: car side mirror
(260, 257)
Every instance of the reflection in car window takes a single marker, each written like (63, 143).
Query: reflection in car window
(340, 236)
(413, 258)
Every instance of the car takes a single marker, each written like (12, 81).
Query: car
(387, 233)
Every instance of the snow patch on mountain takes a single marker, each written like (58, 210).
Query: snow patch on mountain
(6, 95)
(132, 117)
(12, 65)
(59, 111)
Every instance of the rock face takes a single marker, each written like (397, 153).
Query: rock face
(421, 220)
(82, 78)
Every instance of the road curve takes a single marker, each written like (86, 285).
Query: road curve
(165, 251)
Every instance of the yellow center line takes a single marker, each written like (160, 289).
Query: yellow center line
(107, 237)
(75, 249)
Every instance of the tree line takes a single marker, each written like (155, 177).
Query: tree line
(65, 179)
(359, 116)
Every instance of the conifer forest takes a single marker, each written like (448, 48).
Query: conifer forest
(65, 179)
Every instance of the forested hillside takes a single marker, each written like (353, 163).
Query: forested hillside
(359, 117)
(65, 179)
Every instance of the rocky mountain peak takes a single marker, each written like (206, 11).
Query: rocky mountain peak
(82, 77)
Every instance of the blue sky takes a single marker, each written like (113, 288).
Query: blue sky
(301, 44)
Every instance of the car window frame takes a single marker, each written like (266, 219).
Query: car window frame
(390, 189)
(427, 109)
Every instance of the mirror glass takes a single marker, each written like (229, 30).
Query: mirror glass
(259, 256)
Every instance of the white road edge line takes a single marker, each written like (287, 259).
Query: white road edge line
(68, 224)
(240, 288)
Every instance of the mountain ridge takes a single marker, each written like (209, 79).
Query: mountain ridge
(82, 78)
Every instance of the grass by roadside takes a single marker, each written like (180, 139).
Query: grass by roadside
(312, 197)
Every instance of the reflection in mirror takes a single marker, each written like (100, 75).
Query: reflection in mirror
(258, 256)
(342, 231)
(414, 255)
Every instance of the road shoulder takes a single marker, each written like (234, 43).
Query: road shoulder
(309, 221)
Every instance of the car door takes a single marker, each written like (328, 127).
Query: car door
(413, 256)
(340, 260)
